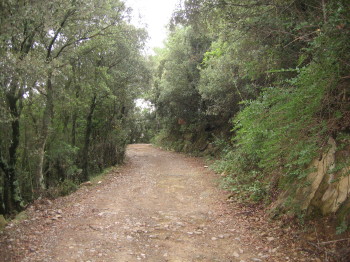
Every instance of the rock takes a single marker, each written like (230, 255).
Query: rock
(214, 238)
(270, 239)
(166, 237)
(88, 183)
(3, 222)
(235, 254)
(48, 202)
(310, 238)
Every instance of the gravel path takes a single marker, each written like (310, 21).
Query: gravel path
(161, 206)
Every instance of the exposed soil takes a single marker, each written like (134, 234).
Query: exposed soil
(160, 206)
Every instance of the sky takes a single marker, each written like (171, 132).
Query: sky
(155, 14)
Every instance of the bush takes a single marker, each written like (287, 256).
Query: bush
(63, 189)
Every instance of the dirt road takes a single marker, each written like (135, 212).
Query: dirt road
(161, 206)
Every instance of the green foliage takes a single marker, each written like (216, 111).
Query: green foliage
(275, 73)
(287, 126)
(143, 127)
(179, 110)
(67, 187)
(69, 76)
(342, 228)
(63, 188)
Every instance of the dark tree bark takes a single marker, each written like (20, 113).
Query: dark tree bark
(88, 131)
(12, 198)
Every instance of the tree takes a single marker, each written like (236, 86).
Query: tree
(276, 75)
(66, 90)
(177, 99)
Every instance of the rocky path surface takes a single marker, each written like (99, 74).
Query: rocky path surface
(161, 206)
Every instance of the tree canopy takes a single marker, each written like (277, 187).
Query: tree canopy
(267, 82)
(70, 71)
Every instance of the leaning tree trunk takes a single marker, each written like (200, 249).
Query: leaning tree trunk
(46, 121)
(88, 131)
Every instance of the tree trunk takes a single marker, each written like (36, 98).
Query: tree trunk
(12, 197)
(75, 115)
(46, 121)
(2, 205)
(88, 131)
(74, 125)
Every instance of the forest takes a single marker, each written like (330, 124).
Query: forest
(260, 87)
(70, 71)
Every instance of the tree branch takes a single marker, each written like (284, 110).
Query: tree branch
(53, 40)
(82, 39)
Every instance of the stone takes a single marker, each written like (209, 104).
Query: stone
(88, 183)
(315, 178)
(180, 224)
(3, 222)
